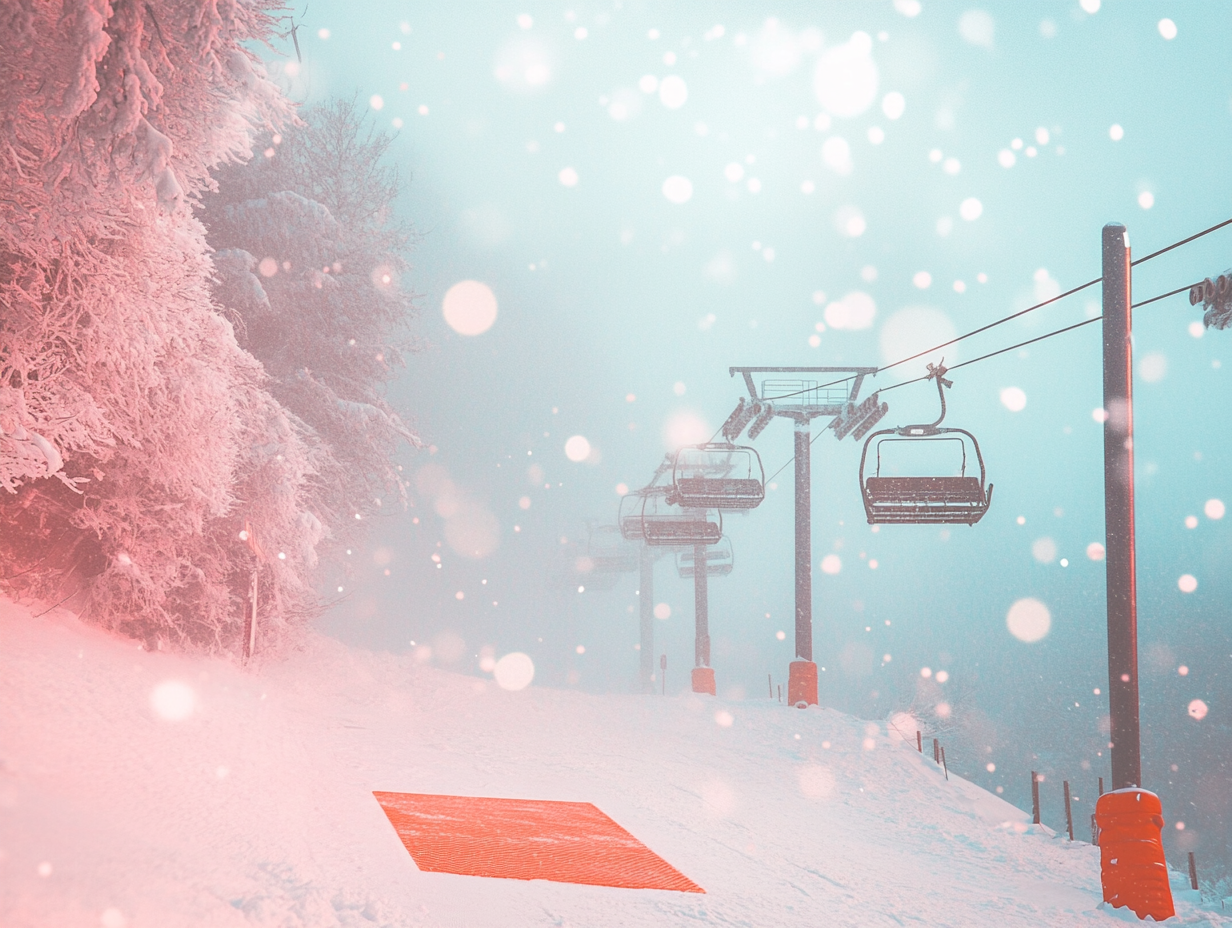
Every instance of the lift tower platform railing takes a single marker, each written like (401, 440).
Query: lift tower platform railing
(790, 393)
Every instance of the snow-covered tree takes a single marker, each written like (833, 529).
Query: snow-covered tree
(310, 260)
(137, 438)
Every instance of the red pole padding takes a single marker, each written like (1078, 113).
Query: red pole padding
(703, 680)
(1133, 869)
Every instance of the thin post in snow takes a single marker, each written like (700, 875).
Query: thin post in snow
(1069, 815)
(663, 671)
(250, 627)
(780, 692)
(1101, 786)
(943, 764)
(1193, 872)
(1094, 830)
(919, 742)
(770, 684)
(1035, 808)
(936, 751)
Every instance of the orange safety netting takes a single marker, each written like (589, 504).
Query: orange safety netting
(524, 839)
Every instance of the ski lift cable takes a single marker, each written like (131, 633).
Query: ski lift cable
(1029, 309)
(1030, 341)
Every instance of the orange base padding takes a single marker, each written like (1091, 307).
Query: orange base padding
(1132, 866)
(526, 839)
(703, 680)
(802, 684)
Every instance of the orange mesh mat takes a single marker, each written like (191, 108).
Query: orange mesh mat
(523, 839)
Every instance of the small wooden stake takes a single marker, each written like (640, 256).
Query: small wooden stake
(780, 692)
(936, 751)
(770, 685)
(1193, 871)
(1069, 815)
(1094, 831)
(1101, 786)
(1035, 809)
(919, 742)
(943, 765)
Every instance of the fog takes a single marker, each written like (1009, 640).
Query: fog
(653, 194)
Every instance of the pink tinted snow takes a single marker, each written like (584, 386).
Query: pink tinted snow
(256, 809)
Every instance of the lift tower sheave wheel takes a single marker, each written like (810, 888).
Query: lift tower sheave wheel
(802, 399)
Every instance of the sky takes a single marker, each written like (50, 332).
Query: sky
(649, 194)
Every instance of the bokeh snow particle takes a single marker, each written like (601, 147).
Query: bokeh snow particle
(831, 564)
(1214, 509)
(977, 28)
(1028, 620)
(376, 101)
(1044, 550)
(514, 671)
(673, 92)
(1095, 551)
(662, 611)
(1014, 399)
(173, 700)
(1152, 367)
(734, 172)
(568, 177)
(1116, 132)
(469, 307)
(922, 279)
(1167, 28)
(678, 189)
(577, 449)
(1146, 199)
(893, 104)
(853, 312)
(970, 209)
(836, 155)
(1187, 583)
(723, 718)
(1089, 6)
(850, 221)
(684, 428)
(1198, 709)
(845, 78)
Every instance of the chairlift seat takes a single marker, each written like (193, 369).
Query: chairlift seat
(680, 530)
(720, 492)
(926, 500)
(889, 490)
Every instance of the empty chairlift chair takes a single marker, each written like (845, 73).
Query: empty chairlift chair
(666, 524)
(608, 552)
(929, 499)
(717, 476)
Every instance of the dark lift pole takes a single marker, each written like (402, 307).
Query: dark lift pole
(1119, 512)
(645, 606)
(804, 546)
(703, 674)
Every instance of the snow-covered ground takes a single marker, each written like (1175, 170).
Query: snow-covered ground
(257, 808)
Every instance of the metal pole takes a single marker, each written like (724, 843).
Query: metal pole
(701, 609)
(250, 640)
(802, 675)
(804, 547)
(645, 605)
(1125, 735)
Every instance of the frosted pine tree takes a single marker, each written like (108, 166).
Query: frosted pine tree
(311, 261)
(137, 438)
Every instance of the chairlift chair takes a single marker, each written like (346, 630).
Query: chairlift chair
(664, 523)
(718, 476)
(925, 500)
(608, 552)
(719, 560)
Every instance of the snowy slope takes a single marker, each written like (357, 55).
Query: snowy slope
(257, 809)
